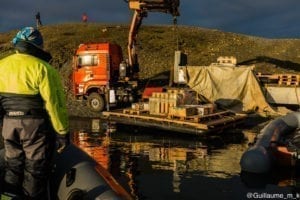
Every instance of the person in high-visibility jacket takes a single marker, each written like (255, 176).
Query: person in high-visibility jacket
(35, 115)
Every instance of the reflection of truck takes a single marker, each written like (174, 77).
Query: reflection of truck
(100, 75)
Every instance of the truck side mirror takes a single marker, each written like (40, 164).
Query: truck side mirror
(122, 70)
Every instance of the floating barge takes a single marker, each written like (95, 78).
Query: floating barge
(196, 124)
(176, 110)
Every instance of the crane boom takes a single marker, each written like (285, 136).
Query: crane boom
(141, 9)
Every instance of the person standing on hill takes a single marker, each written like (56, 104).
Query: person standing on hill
(38, 20)
(31, 94)
(84, 17)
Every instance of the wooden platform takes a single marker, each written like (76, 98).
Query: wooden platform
(196, 124)
(280, 79)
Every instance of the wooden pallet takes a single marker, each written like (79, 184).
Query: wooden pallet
(288, 79)
(191, 124)
(290, 83)
(294, 77)
(281, 79)
(193, 118)
(134, 112)
(268, 76)
(203, 118)
(156, 119)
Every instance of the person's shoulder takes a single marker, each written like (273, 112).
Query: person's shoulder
(10, 57)
(47, 66)
(7, 54)
(33, 61)
(25, 57)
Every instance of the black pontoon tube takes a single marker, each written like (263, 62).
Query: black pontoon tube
(75, 176)
(258, 158)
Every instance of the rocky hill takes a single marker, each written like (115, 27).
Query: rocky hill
(156, 47)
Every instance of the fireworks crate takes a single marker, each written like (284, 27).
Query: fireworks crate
(134, 112)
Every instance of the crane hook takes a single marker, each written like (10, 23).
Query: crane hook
(175, 20)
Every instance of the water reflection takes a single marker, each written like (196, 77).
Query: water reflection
(163, 166)
(95, 145)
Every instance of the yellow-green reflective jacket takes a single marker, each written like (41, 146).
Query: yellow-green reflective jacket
(27, 75)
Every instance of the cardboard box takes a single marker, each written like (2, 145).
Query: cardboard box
(205, 109)
(188, 96)
(183, 111)
(154, 106)
(140, 106)
(160, 102)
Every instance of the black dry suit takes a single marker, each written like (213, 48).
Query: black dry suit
(34, 109)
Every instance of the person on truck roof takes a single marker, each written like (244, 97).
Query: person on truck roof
(32, 97)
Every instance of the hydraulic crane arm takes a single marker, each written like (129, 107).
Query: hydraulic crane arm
(167, 6)
(141, 9)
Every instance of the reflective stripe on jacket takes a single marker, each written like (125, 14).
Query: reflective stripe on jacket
(26, 74)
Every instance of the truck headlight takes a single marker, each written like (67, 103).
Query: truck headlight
(80, 88)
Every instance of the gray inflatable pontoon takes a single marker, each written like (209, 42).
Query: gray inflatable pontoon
(260, 157)
(76, 176)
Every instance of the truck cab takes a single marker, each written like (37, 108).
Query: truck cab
(100, 75)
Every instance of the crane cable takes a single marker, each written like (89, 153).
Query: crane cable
(176, 32)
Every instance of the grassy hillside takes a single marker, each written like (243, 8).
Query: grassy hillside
(157, 45)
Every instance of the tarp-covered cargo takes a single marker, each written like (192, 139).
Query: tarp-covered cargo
(233, 87)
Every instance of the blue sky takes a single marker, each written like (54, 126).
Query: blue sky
(264, 18)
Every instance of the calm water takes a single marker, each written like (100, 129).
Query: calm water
(151, 164)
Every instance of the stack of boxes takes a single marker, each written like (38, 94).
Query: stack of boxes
(161, 102)
(177, 103)
(174, 103)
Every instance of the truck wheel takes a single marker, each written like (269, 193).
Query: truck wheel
(95, 102)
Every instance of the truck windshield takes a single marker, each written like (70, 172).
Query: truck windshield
(88, 60)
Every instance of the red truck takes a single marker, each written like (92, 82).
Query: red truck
(100, 75)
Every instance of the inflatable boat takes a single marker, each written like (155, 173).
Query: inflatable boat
(278, 143)
(77, 176)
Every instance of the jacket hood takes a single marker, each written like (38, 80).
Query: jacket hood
(28, 48)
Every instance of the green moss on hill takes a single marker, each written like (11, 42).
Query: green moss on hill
(156, 46)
